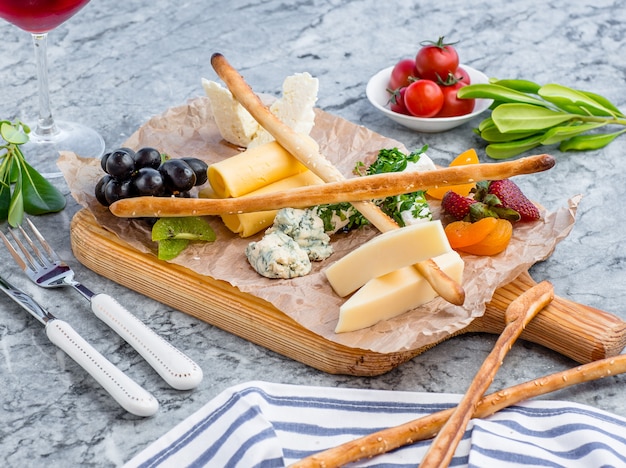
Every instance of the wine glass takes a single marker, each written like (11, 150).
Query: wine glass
(49, 136)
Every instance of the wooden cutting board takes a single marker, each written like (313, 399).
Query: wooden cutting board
(577, 331)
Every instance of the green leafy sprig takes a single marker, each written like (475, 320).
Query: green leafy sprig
(526, 115)
(22, 188)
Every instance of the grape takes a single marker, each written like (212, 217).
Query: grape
(147, 157)
(149, 182)
(99, 190)
(120, 163)
(103, 161)
(200, 168)
(116, 189)
(178, 176)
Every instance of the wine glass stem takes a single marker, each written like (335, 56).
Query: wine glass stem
(45, 123)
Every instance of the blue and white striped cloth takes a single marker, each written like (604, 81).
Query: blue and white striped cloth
(260, 424)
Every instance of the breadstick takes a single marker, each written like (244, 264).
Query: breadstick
(519, 313)
(348, 190)
(305, 149)
(426, 427)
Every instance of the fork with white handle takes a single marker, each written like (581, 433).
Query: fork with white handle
(44, 267)
(129, 394)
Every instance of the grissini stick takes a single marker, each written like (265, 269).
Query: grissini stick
(426, 427)
(348, 190)
(305, 149)
(519, 313)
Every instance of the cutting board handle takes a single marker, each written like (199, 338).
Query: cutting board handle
(577, 331)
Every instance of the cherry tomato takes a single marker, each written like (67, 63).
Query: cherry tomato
(423, 98)
(396, 102)
(435, 60)
(462, 76)
(452, 105)
(401, 74)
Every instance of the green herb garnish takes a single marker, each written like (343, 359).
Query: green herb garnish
(22, 188)
(526, 115)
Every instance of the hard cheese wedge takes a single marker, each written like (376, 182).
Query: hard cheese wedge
(393, 294)
(385, 253)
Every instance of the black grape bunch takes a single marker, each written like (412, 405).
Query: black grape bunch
(146, 172)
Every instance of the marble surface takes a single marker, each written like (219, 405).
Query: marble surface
(116, 64)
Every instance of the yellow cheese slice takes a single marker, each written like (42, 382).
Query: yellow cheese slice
(385, 253)
(393, 294)
(248, 224)
(252, 169)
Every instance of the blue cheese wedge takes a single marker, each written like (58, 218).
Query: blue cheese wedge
(307, 229)
(277, 255)
(295, 239)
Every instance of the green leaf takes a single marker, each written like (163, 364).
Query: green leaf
(509, 149)
(560, 133)
(524, 86)
(603, 102)
(497, 93)
(40, 196)
(12, 133)
(5, 201)
(485, 124)
(568, 99)
(493, 135)
(15, 214)
(589, 142)
(520, 118)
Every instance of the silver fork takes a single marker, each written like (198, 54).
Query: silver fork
(44, 267)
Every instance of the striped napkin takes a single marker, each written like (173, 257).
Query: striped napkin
(261, 424)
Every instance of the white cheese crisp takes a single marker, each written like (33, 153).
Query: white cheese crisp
(295, 108)
(235, 124)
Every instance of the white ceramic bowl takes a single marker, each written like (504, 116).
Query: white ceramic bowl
(378, 95)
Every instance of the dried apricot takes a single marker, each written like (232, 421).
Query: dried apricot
(494, 242)
(463, 159)
(461, 234)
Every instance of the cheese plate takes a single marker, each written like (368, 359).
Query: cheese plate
(297, 318)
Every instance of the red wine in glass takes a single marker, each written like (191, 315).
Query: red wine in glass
(49, 136)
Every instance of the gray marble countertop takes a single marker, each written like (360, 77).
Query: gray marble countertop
(116, 64)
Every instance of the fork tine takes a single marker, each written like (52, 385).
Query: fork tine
(14, 253)
(47, 247)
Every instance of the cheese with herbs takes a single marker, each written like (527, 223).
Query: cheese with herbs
(385, 253)
(393, 294)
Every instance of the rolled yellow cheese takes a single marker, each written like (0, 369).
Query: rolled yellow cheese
(252, 169)
(395, 293)
(385, 253)
(248, 224)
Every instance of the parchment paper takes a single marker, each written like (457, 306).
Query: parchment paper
(189, 130)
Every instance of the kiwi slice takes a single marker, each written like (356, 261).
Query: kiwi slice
(171, 248)
(189, 228)
(174, 234)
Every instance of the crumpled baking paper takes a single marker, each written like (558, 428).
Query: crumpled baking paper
(189, 130)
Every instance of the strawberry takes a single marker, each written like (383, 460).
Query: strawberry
(511, 196)
(456, 205)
